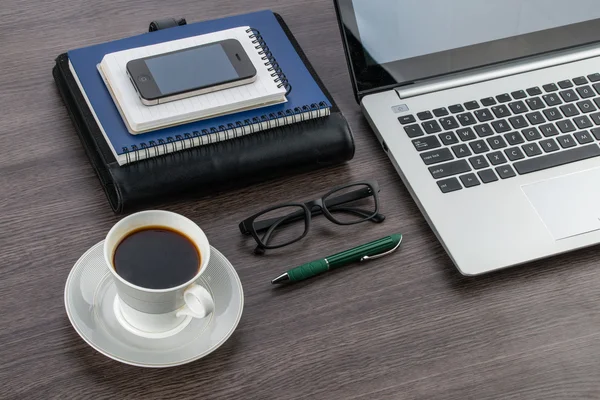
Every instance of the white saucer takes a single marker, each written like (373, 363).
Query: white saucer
(89, 299)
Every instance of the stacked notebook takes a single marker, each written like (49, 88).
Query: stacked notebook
(306, 131)
(268, 88)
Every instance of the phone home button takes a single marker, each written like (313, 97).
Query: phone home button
(143, 78)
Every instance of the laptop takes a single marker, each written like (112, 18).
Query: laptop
(490, 112)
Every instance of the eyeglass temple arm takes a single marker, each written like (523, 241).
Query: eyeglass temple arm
(295, 216)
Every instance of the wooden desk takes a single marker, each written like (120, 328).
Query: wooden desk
(407, 326)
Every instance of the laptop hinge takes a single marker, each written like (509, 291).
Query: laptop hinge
(499, 71)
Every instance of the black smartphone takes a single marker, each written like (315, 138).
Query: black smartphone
(192, 71)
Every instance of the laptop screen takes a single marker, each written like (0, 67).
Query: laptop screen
(394, 42)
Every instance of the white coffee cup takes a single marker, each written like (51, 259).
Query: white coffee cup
(156, 313)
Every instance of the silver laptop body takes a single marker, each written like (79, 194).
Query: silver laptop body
(503, 160)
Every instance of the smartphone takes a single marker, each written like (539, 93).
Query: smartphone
(192, 71)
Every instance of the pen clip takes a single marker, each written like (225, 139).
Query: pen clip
(376, 256)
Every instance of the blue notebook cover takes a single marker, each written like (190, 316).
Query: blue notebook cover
(305, 91)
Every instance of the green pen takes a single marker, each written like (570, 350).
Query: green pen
(368, 251)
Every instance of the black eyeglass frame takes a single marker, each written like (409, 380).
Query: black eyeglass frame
(313, 208)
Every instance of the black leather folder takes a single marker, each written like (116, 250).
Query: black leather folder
(242, 161)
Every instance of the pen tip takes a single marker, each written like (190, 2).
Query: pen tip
(281, 278)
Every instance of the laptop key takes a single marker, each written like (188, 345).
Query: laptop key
(596, 133)
(518, 122)
(535, 118)
(450, 169)
(514, 153)
(586, 106)
(552, 100)
(456, 108)
(497, 158)
(471, 105)
(413, 131)
(596, 87)
(503, 98)
(483, 115)
(500, 111)
(437, 156)
(466, 134)
(440, 112)
(431, 126)
(469, 180)
(565, 84)
(449, 123)
(569, 110)
(549, 145)
(583, 137)
(425, 115)
(534, 91)
(519, 94)
(596, 118)
(514, 138)
(488, 101)
(549, 130)
(535, 103)
(501, 126)
(518, 107)
(550, 87)
(594, 77)
(449, 185)
(426, 143)
(531, 134)
(586, 92)
(566, 141)
(448, 138)
(580, 80)
(487, 176)
(552, 114)
(583, 122)
(461, 151)
(496, 142)
(479, 147)
(566, 126)
(407, 119)
(466, 119)
(555, 159)
(483, 130)
(569, 95)
(505, 172)
(479, 162)
(531, 149)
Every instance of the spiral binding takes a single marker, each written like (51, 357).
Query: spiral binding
(239, 128)
(270, 61)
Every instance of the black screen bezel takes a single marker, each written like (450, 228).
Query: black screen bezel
(370, 78)
(149, 89)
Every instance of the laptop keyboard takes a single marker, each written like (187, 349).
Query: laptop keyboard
(517, 133)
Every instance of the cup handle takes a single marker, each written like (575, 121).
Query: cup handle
(198, 302)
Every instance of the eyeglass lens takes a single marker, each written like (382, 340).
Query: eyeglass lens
(287, 224)
(351, 204)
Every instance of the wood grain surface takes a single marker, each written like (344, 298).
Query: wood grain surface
(405, 327)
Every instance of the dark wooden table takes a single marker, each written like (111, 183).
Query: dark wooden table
(404, 327)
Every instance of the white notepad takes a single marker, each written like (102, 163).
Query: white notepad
(139, 118)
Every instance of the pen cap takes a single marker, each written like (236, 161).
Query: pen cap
(374, 249)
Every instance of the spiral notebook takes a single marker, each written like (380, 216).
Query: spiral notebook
(305, 101)
(269, 87)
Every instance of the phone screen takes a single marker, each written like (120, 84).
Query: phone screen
(190, 69)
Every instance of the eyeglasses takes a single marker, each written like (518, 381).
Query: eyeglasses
(285, 224)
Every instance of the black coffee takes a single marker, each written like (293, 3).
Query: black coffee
(156, 257)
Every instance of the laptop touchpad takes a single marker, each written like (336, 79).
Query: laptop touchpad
(569, 205)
